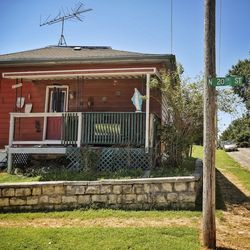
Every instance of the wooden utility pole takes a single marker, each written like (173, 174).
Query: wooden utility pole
(209, 229)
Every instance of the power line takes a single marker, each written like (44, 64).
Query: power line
(171, 26)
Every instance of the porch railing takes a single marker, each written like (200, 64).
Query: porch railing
(104, 128)
(114, 128)
(89, 128)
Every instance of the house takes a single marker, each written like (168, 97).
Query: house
(61, 97)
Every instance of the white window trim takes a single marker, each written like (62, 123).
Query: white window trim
(50, 101)
(46, 107)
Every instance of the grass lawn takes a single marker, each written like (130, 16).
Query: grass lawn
(187, 168)
(101, 213)
(100, 238)
(61, 174)
(5, 177)
(115, 236)
(225, 163)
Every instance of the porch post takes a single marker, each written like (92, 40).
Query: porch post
(79, 132)
(11, 135)
(147, 111)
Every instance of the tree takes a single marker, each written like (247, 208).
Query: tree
(238, 131)
(184, 118)
(184, 104)
(242, 68)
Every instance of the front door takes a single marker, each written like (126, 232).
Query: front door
(57, 102)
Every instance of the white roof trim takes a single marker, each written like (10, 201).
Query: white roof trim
(61, 74)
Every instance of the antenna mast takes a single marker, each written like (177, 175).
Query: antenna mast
(74, 14)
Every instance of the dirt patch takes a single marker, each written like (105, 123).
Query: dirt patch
(233, 229)
(101, 222)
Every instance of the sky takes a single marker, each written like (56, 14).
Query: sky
(141, 25)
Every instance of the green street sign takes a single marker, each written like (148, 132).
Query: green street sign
(225, 81)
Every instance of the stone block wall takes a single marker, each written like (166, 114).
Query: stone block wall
(148, 193)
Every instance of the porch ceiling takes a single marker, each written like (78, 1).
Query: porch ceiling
(86, 73)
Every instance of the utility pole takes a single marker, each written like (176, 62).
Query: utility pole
(209, 228)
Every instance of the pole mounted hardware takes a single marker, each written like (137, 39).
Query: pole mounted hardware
(74, 14)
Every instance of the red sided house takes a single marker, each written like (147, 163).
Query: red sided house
(58, 99)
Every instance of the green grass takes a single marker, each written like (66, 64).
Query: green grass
(100, 238)
(176, 237)
(101, 213)
(225, 163)
(58, 174)
(61, 175)
(5, 177)
(197, 152)
(92, 175)
(187, 168)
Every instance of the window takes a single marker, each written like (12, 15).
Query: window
(57, 101)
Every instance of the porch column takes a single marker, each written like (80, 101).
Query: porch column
(79, 132)
(147, 111)
(11, 136)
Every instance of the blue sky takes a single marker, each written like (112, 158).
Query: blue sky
(141, 25)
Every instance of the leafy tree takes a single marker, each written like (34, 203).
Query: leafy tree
(184, 118)
(227, 101)
(242, 68)
(183, 101)
(238, 131)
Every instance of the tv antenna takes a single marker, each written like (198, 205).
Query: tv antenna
(74, 14)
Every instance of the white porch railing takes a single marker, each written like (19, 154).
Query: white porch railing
(77, 128)
(43, 140)
(88, 128)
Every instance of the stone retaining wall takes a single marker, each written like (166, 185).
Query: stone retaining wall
(149, 193)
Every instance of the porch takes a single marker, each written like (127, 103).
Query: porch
(86, 128)
(79, 129)
(32, 133)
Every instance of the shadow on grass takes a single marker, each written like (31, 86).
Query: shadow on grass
(226, 194)
(224, 248)
(232, 195)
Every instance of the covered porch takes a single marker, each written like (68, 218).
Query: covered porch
(77, 129)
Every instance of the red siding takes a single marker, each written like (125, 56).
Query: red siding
(98, 90)
(33, 94)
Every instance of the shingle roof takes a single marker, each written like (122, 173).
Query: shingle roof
(75, 53)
